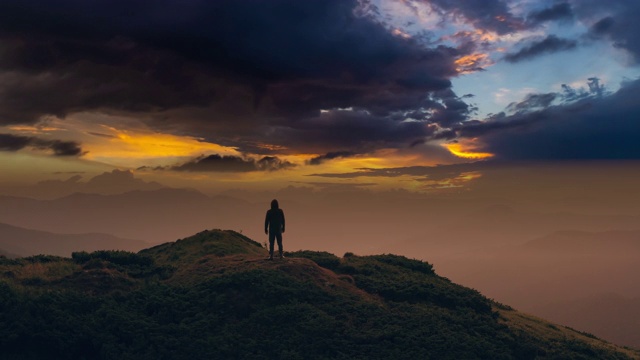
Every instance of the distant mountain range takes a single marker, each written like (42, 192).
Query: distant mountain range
(108, 183)
(610, 316)
(153, 216)
(17, 241)
(166, 214)
(584, 242)
(560, 276)
(213, 295)
(7, 254)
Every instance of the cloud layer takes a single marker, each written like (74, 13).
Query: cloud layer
(550, 44)
(615, 20)
(289, 77)
(230, 163)
(248, 72)
(597, 126)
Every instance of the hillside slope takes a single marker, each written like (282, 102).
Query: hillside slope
(214, 295)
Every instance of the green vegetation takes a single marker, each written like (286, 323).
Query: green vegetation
(213, 296)
(208, 242)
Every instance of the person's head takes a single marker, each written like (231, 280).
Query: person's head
(274, 204)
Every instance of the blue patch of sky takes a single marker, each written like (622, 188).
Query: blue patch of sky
(503, 83)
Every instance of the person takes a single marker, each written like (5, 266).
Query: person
(274, 226)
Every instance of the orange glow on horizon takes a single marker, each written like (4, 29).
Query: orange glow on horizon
(141, 148)
(161, 145)
(463, 151)
(33, 129)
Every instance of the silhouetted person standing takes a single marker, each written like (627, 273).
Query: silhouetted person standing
(274, 226)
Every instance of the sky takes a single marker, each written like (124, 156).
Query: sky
(218, 95)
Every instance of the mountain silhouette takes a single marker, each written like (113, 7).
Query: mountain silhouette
(585, 242)
(17, 241)
(556, 276)
(610, 316)
(107, 183)
(213, 295)
(154, 216)
(7, 254)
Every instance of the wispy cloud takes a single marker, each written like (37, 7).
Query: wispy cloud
(330, 156)
(550, 44)
(561, 11)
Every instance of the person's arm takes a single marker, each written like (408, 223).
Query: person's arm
(282, 220)
(266, 223)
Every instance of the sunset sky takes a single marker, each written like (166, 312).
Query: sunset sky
(498, 140)
(371, 94)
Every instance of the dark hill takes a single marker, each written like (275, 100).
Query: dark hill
(214, 296)
(217, 242)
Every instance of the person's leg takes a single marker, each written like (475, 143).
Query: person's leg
(279, 237)
(272, 238)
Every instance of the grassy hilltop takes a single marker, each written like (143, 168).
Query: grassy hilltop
(213, 295)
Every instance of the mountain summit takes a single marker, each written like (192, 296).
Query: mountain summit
(213, 295)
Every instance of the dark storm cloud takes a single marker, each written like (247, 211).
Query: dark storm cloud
(356, 130)
(548, 45)
(594, 127)
(450, 109)
(603, 26)
(61, 148)
(559, 11)
(330, 156)
(9, 142)
(49, 75)
(616, 20)
(229, 163)
(491, 15)
(236, 69)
